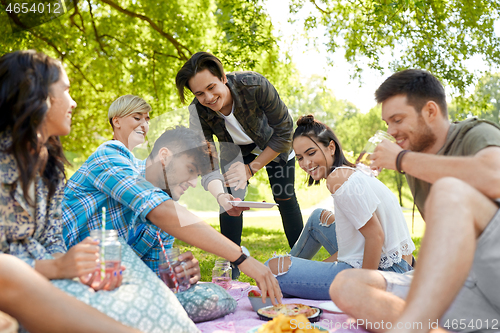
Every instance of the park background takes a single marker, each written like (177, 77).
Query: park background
(323, 56)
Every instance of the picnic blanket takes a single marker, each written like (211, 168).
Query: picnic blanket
(245, 319)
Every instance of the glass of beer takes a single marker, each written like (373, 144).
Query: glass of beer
(363, 161)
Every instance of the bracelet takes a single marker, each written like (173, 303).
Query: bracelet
(399, 159)
(250, 169)
(218, 195)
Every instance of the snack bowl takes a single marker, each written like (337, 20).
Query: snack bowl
(257, 304)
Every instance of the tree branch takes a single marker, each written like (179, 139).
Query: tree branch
(77, 12)
(320, 9)
(154, 72)
(48, 42)
(178, 46)
(63, 56)
(139, 51)
(97, 37)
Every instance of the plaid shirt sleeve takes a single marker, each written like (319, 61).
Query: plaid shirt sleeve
(113, 178)
(114, 174)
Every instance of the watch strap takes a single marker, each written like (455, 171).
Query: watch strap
(244, 254)
(238, 261)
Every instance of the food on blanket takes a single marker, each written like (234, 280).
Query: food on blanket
(288, 310)
(256, 293)
(282, 324)
(255, 298)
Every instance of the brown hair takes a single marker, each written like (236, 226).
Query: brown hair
(181, 140)
(197, 63)
(419, 87)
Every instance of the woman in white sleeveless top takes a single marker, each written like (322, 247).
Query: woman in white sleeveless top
(367, 229)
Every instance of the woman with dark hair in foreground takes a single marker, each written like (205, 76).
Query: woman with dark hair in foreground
(35, 109)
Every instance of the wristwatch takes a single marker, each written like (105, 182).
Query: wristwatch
(244, 254)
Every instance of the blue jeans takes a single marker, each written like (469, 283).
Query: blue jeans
(310, 279)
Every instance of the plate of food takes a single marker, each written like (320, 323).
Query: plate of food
(288, 324)
(252, 204)
(269, 312)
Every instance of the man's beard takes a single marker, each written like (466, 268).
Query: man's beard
(424, 137)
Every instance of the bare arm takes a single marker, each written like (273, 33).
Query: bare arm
(332, 258)
(180, 223)
(40, 307)
(80, 260)
(479, 171)
(374, 240)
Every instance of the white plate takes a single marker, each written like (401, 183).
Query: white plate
(330, 306)
(252, 204)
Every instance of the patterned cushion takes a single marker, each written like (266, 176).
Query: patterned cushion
(206, 301)
(142, 301)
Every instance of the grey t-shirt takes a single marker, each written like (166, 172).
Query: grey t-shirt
(465, 138)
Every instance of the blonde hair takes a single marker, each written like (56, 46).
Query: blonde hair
(126, 105)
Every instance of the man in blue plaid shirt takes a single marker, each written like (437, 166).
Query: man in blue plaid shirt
(113, 178)
(140, 196)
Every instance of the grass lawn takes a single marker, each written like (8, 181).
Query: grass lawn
(263, 236)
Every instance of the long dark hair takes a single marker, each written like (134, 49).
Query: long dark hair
(25, 80)
(319, 132)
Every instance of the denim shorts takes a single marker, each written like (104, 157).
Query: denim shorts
(477, 306)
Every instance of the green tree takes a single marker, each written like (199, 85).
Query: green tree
(436, 35)
(314, 97)
(116, 47)
(484, 102)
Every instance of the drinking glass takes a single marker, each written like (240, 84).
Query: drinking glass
(363, 161)
(112, 253)
(221, 273)
(167, 271)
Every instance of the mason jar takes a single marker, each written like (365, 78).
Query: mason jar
(112, 251)
(221, 273)
(167, 271)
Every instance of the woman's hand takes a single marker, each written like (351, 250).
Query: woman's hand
(223, 201)
(191, 267)
(80, 260)
(265, 279)
(110, 282)
(237, 175)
